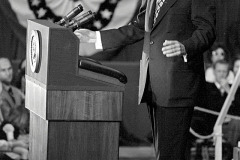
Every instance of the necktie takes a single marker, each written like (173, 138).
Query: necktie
(10, 92)
(159, 4)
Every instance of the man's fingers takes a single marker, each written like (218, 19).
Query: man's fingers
(171, 51)
(167, 42)
(173, 54)
(85, 36)
(171, 47)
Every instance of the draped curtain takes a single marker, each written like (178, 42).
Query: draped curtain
(13, 35)
(228, 25)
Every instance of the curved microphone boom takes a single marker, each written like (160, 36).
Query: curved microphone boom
(89, 17)
(70, 15)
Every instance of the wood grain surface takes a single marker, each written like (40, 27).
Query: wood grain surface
(73, 140)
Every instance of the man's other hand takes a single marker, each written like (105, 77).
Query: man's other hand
(173, 48)
(85, 35)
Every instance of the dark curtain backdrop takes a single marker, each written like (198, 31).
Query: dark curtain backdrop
(13, 35)
(228, 25)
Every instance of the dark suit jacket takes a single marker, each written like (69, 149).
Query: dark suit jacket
(7, 103)
(191, 22)
(202, 122)
(235, 107)
(215, 99)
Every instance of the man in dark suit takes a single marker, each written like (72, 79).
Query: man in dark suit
(171, 69)
(10, 96)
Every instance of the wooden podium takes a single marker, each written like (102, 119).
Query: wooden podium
(74, 113)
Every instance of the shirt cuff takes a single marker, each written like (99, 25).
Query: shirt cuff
(98, 43)
(185, 58)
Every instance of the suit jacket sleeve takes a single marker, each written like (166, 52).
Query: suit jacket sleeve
(115, 38)
(203, 18)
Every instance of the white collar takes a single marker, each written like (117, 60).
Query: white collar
(217, 85)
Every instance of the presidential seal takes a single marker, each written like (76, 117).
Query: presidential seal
(34, 51)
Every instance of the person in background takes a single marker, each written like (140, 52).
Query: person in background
(236, 65)
(203, 123)
(216, 93)
(14, 132)
(10, 96)
(176, 33)
(218, 90)
(218, 52)
(233, 130)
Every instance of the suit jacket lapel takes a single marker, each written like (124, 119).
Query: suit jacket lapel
(167, 4)
(7, 97)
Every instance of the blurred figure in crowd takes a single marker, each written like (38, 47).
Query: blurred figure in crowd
(233, 130)
(202, 122)
(14, 132)
(10, 96)
(218, 52)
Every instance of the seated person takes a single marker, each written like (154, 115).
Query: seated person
(236, 66)
(10, 96)
(216, 93)
(218, 52)
(233, 128)
(14, 132)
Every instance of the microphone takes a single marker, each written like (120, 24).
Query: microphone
(89, 17)
(70, 15)
(9, 129)
(74, 20)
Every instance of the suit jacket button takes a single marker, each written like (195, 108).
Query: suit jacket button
(151, 42)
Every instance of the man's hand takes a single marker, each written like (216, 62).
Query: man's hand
(85, 35)
(173, 48)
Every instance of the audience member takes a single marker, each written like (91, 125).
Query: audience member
(10, 96)
(235, 108)
(218, 52)
(218, 89)
(14, 132)
(216, 93)
(236, 65)
(233, 128)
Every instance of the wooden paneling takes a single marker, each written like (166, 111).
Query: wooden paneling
(84, 105)
(73, 105)
(73, 140)
(36, 98)
(38, 138)
(83, 140)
